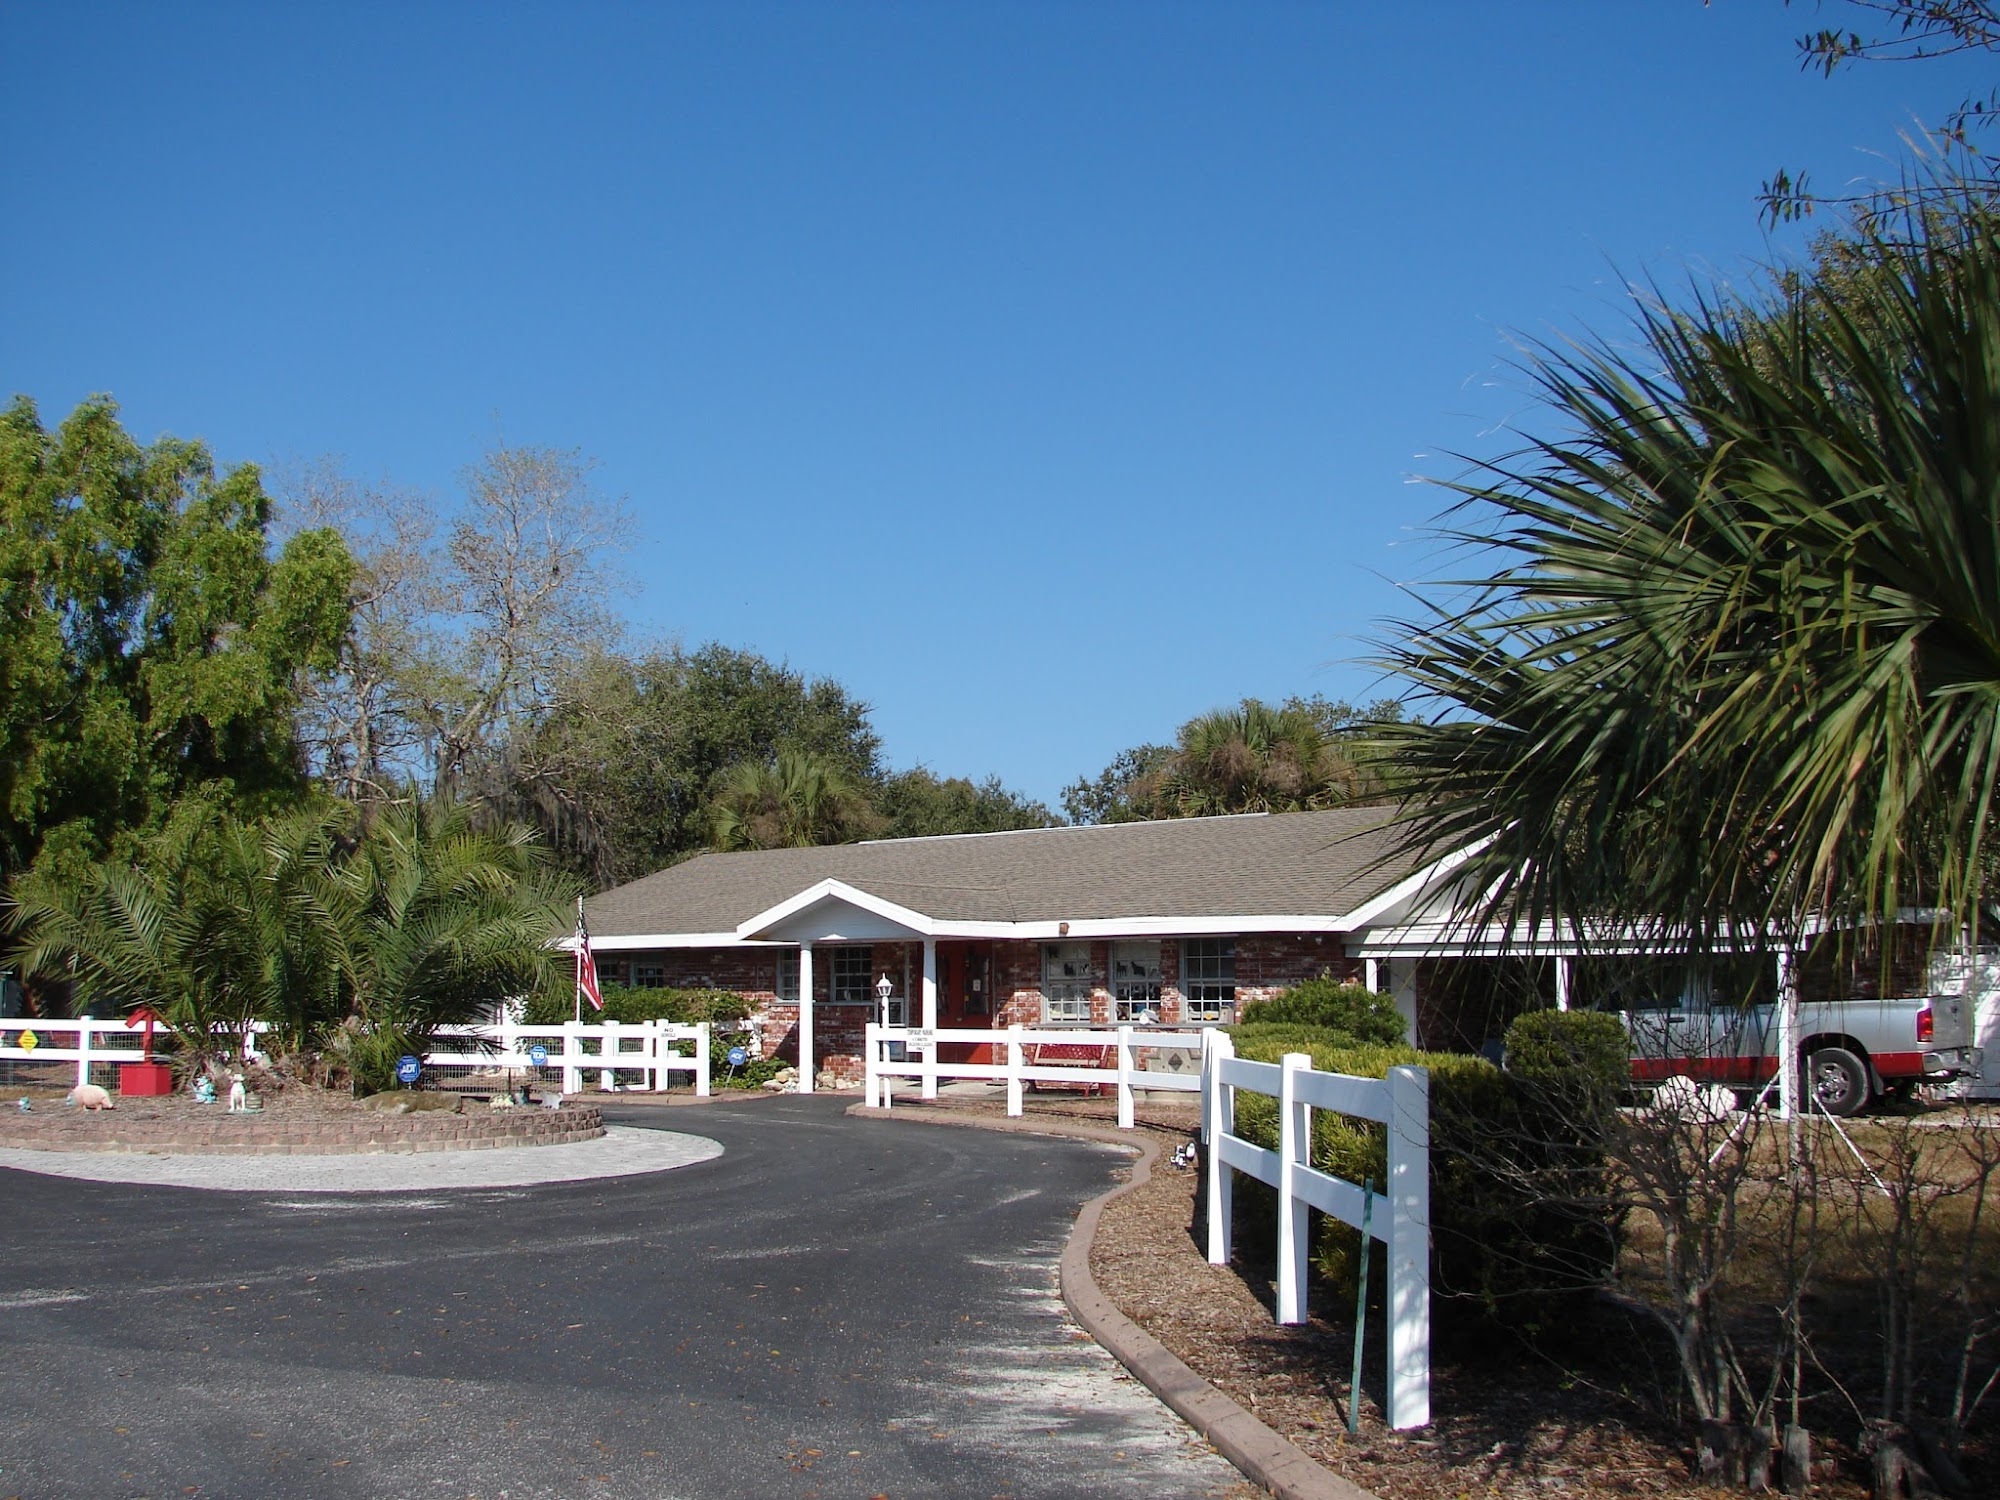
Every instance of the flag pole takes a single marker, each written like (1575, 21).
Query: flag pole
(579, 960)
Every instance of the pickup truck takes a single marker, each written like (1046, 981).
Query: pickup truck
(1850, 1051)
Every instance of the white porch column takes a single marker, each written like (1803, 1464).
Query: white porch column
(930, 1016)
(805, 1018)
(1403, 990)
(1562, 982)
(1371, 970)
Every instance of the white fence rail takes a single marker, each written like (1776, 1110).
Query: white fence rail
(640, 1056)
(1400, 1216)
(907, 1052)
(645, 1055)
(92, 1045)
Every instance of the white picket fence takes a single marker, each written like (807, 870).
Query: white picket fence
(1127, 1074)
(89, 1044)
(1399, 1216)
(642, 1056)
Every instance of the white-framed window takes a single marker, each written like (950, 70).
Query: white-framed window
(611, 970)
(787, 987)
(1066, 982)
(1135, 981)
(853, 976)
(647, 976)
(1208, 978)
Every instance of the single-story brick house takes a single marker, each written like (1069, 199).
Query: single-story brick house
(1175, 922)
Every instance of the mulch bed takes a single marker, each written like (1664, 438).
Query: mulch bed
(1507, 1422)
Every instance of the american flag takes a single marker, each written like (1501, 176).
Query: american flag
(586, 966)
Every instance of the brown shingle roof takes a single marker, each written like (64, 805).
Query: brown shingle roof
(1323, 864)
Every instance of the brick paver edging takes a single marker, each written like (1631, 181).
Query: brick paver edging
(336, 1135)
(1265, 1457)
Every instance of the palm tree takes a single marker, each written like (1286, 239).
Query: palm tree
(792, 802)
(432, 918)
(204, 928)
(1252, 758)
(358, 938)
(1741, 656)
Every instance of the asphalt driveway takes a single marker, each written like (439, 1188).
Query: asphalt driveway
(832, 1307)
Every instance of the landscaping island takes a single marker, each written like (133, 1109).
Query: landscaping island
(293, 1122)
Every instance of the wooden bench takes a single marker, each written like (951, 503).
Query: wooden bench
(1071, 1055)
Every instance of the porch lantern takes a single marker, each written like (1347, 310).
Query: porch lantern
(883, 990)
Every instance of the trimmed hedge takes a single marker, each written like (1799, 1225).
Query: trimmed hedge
(1328, 1004)
(629, 1005)
(1498, 1153)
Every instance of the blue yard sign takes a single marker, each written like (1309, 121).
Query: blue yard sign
(408, 1069)
(738, 1057)
(538, 1055)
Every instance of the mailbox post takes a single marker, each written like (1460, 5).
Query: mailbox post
(145, 1078)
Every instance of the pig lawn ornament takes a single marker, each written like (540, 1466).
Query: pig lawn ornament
(237, 1104)
(91, 1097)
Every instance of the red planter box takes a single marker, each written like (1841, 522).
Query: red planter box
(145, 1078)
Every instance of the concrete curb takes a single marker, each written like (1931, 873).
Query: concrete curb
(1264, 1456)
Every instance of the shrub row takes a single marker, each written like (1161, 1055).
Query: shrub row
(1513, 1229)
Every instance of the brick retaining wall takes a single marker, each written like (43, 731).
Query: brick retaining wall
(338, 1135)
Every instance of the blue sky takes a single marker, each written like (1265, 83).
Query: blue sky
(1046, 373)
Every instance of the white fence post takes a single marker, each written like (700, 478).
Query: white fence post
(1219, 1113)
(1125, 1063)
(702, 1046)
(1014, 1070)
(572, 1058)
(1409, 1247)
(1294, 1151)
(871, 1051)
(1401, 1102)
(607, 1052)
(83, 1025)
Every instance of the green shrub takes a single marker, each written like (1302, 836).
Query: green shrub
(1353, 1010)
(753, 1074)
(1496, 1249)
(629, 1005)
(1580, 1059)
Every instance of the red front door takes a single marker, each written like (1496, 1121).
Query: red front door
(965, 998)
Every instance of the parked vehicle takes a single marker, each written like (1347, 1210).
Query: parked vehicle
(1851, 1051)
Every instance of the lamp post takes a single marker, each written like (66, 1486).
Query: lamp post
(883, 990)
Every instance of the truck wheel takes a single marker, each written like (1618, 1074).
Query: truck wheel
(1836, 1081)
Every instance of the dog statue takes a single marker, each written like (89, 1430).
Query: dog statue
(91, 1097)
(238, 1102)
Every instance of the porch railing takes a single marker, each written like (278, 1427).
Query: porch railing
(1127, 1073)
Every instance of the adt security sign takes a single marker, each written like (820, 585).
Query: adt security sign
(738, 1057)
(538, 1055)
(408, 1069)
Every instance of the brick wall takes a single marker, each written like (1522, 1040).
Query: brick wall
(1269, 962)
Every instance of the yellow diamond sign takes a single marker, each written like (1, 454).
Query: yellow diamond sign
(29, 1041)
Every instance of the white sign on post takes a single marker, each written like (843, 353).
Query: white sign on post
(922, 1038)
